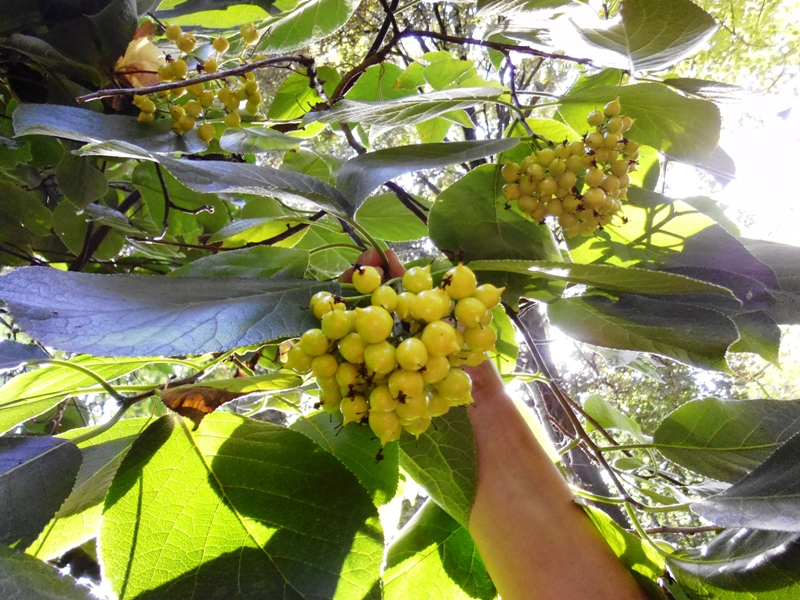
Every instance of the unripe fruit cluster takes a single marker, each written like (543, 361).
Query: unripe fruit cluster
(581, 184)
(213, 100)
(390, 364)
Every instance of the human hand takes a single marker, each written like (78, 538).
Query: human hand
(372, 258)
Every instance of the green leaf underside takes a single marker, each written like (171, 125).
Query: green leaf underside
(23, 577)
(433, 552)
(36, 475)
(249, 263)
(466, 221)
(13, 354)
(78, 519)
(443, 461)
(726, 439)
(255, 140)
(609, 417)
(409, 110)
(140, 315)
(609, 277)
(356, 447)
(89, 126)
(652, 34)
(741, 565)
(359, 176)
(35, 392)
(686, 129)
(767, 498)
(689, 334)
(229, 504)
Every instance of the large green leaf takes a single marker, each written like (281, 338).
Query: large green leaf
(249, 263)
(491, 8)
(30, 394)
(467, 221)
(650, 35)
(92, 127)
(435, 553)
(221, 14)
(309, 21)
(609, 277)
(378, 83)
(409, 110)
(80, 179)
(386, 218)
(783, 260)
(690, 334)
(767, 498)
(443, 461)
(359, 176)
(142, 315)
(741, 565)
(726, 439)
(686, 129)
(218, 177)
(78, 519)
(356, 447)
(23, 577)
(36, 475)
(237, 508)
(608, 417)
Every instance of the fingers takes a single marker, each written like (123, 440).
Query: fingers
(372, 258)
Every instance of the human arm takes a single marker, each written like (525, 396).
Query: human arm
(537, 544)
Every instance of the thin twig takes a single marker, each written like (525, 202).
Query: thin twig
(277, 62)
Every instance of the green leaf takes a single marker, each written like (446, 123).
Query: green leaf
(333, 261)
(25, 210)
(89, 126)
(114, 27)
(466, 220)
(35, 392)
(493, 8)
(255, 140)
(726, 93)
(23, 577)
(48, 58)
(609, 417)
(78, 519)
(448, 71)
(443, 461)
(727, 439)
(13, 354)
(251, 231)
(186, 226)
(686, 129)
(409, 110)
(645, 564)
(249, 263)
(553, 130)
(309, 21)
(71, 224)
(506, 344)
(223, 14)
(741, 565)
(378, 83)
(296, 96)
(758, 333)
(692, 335)
(357, 448)
(281, 380)
(80, 179)
(241, 507)
(434, 552)
(782, 260)
(650, 35)
(609, 277)
(386, 218)
(220, 177)
(359, 176)
(36, 475)
(321, 166)
(141, 315)
(767, 498)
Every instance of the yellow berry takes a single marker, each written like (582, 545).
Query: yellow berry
(173, 32)
(220, 44)
(249, 33)
(206, 132)
(210, 65)
(232, 119)
(185, 43)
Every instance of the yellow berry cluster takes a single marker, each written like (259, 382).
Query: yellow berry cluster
(581, 184)
(209, 100)
(389, 364)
